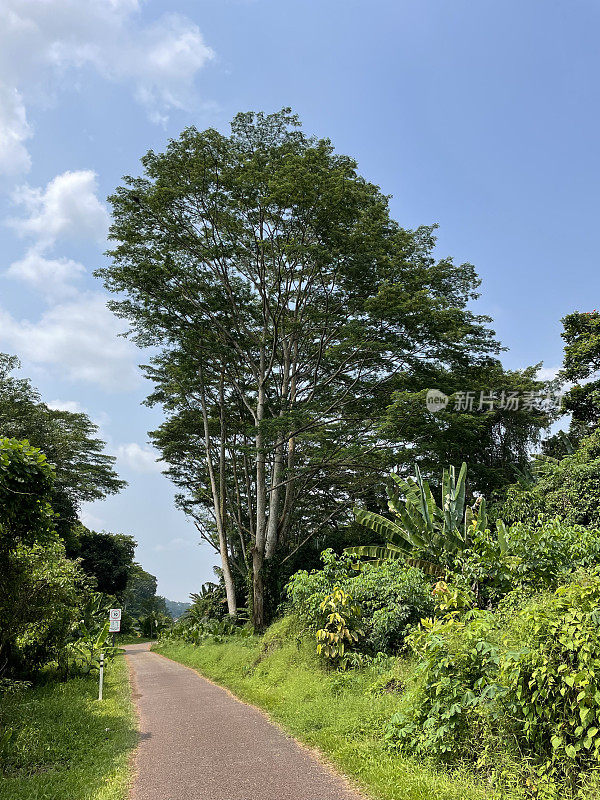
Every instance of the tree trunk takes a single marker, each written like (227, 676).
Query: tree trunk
(218, 508)
(258, 550)
(258, 591)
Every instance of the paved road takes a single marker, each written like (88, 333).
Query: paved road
(200, 743)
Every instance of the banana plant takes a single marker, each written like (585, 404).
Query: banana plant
(421, 526)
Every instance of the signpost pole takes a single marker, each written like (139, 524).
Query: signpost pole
(114, 618)
(101, 675)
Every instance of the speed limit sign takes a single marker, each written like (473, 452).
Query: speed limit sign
(114, 613)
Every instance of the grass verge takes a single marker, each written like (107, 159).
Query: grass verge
(67, 745)
(342, 714)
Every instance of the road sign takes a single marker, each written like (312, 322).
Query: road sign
(115, 626)
(114, 613)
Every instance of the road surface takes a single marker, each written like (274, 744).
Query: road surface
(198, 742)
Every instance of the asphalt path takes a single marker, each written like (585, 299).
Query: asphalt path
(198, 742)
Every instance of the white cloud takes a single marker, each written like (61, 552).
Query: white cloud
(67, 208)
(137, 458)
(14, 131)
(547, 373)
(43, 41)
(73, 406)
(52, 276)
(80, 338)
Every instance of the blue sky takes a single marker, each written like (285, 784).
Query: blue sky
(480, 116)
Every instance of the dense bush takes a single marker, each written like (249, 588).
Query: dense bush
(341, 631)
(534, 557)
(391, 595)
(46, 603)
(525, 680)
(41, 591)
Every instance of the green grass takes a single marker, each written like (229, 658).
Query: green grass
(67, 745)
(342, 714)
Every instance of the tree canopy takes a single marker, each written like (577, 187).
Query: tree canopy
(83, 471)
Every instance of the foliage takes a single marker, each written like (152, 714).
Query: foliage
(83, 472)
(341, 629)
(493, 437)
(454, 680)
(106, 557)
(522, 681)
(553, 679)
(392, 597)
(153, 624)
(47, 609)
(198, 631)
(568, 488)
(209, 602)
(581, 364)
(26, 483)
(345, 715)
(426, 533)
(40, 591)
(90, 638)
(535, 556)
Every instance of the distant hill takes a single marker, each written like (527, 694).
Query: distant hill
(176, 609)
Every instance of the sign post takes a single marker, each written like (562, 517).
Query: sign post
(101, 676)
(114, 617)
(114, 625)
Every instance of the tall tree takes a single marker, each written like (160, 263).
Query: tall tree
(106, 557)
(39, 587)
(283, 299)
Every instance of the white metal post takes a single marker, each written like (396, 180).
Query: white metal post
(101, 675)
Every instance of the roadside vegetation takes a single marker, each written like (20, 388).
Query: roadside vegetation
(64, 743)
(416, 690)
(343, 714)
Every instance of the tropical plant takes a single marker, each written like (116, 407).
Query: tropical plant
(424, 532)
(209, 602)
(153, 624)
(341, 627)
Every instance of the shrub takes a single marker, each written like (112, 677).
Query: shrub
(391, 595)
(535, 557)
(341, 629)
(568, 488)
(40, 594)
(553, 679)
(525, 680)
(454, 679)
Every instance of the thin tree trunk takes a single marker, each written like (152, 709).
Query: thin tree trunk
(277, 471)
(217, 505)
(275, 493)
(258, 550)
